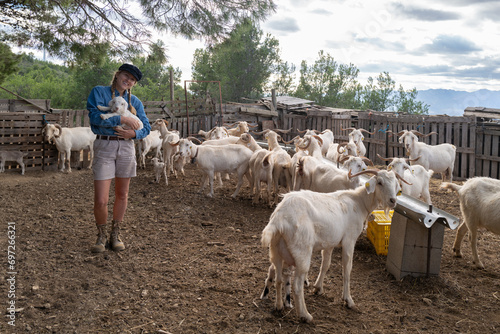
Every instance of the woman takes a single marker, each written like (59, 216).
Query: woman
(114, 152)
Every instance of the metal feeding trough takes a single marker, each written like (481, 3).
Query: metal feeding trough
(416, 240)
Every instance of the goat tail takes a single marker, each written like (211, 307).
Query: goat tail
(430, 172)
(452, 186)
(269, 233)
(266, 162)
(300, 166)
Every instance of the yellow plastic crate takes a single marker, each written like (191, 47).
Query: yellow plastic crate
(379, 230)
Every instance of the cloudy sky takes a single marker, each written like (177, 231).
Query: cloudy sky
(450, 44)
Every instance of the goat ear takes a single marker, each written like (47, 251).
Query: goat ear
(371, 184)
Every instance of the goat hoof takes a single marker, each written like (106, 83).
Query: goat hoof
(307, 318)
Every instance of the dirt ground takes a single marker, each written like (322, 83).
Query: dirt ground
(195, 265)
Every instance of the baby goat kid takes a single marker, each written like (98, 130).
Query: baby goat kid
(119, 107)
(480, 207)
(307, 221)
(159, 168)
(16, 156)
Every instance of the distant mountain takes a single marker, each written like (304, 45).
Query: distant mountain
(453, 103)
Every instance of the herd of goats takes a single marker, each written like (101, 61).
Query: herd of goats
(326, 203)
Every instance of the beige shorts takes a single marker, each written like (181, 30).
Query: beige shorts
(114, 158)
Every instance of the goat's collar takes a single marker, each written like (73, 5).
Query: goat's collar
(193, 159)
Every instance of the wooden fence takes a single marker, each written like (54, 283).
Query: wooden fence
(21, 126)
(478, 145)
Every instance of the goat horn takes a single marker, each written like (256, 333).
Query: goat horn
(319, 139)
(417, 133)
(400, 133)
(230, 125)
(368, 161)
(60, 130)
(165, 121)
(253, 125)
(431, 133)
(347, 129)
(283, 131)
(410, 160)
(400, 178)
(194, 138)
(301, 131)
(291, 140)
(304, 147)
(385, 159)
(367, 171)
(343, 158)
(363, 130)
(261, 132)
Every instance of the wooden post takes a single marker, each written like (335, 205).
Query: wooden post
(171, 72)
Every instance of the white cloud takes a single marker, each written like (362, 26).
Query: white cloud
(429, 44)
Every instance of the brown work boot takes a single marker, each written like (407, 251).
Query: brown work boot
(100, 245)
(114, 238)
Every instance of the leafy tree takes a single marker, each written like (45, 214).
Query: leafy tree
(85, 29)
(380, 96)
(155, 85)
(327, 82)
(40, 80)
(284, 82)
(243, 63)
(8, 62)
(406, 101)
(86, 76)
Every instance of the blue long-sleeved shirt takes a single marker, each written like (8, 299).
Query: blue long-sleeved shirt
(101, 95)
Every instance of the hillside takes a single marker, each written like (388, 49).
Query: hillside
(453, 103)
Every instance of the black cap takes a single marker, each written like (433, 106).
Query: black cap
(132, 69)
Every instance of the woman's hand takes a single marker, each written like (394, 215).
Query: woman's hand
(131, 122)
(122, 133)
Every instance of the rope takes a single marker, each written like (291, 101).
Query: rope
(384, 130)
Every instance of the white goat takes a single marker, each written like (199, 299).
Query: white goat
(356, 136)
(439, 158)
(247, 140)
(217, 132)
(119, 107)
(480, 207)
(336, 151)
(212, 159)
(179, 163)
(326, 138)
(324, 178)
(159, 168)
(68, 140)
(169, 138)
(241, 128)
(222, 141)
(151, 142)
(417, 175)
(16, 156)
(307, 221)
